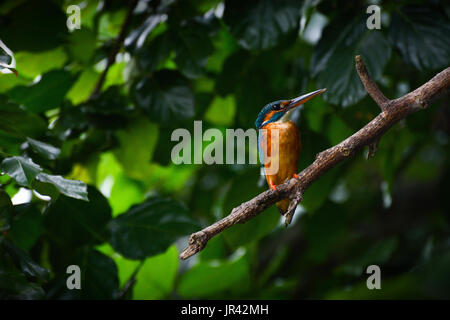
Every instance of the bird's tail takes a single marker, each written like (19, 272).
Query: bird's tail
(283, 205)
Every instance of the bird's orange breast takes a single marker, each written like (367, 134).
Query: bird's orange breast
(286, 161)
(289, 147)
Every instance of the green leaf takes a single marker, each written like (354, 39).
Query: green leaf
(8, 81)
(20, 122)
(222, 111)
(150, 228)
(15, 285)
(27, 226)
(315, 114)
(71, 188)
(34, 26)
(110, 101)
(202, 279)
(152, 27)
(156, 277)
(32, 64)
(21, 169)
(76, 222)
(99, 277)
(126, 267)
(115, 76)
(254, 81)
(422, 35)
(319, 191)
(333, 61)
(259, 24)
(434, 276)
(205, 5)
(378, 253)
(83, 87)
(110, 23)
(193, 46)
(224, 45)
(24, 261)
(47, 94)
(82, 45)
(6, 209)
(216, 249)
(89, 14)
(44, 149)
(324, 231)
(405, 285)
(151, 54)
(243, 188)
(137, 143)
(125, 193)
(337, 130)
(107, 166)
(165, 97)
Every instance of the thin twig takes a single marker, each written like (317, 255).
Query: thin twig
(115, 50)
(130, 282)
(370, 85)
(295, 198)
(393, 111)
(373, 148)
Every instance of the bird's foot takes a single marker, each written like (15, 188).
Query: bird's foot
(295, 176)
(273, 187)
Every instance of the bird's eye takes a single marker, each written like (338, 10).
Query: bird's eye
(277, 106)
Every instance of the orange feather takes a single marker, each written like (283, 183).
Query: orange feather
(288, 155)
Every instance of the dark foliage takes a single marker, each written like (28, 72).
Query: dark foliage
(106, 196)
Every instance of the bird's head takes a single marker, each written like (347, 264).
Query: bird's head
(274, 111)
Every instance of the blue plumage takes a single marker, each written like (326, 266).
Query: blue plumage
(260, 123)
(267, 108)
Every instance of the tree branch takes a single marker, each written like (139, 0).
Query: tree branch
(115, 50)
(369, 135)
(370, 85)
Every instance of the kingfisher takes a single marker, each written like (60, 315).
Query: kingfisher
(274, 120)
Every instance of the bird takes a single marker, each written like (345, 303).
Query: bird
(272, 121)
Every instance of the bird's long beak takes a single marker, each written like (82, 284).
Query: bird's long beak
(302, 99)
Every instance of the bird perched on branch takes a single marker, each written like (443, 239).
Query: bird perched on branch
(279, 142)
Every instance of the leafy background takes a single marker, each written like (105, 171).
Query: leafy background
(219, 62)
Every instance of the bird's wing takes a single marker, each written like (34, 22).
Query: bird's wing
(261, 152)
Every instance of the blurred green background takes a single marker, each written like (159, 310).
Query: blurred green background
(219, 62)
